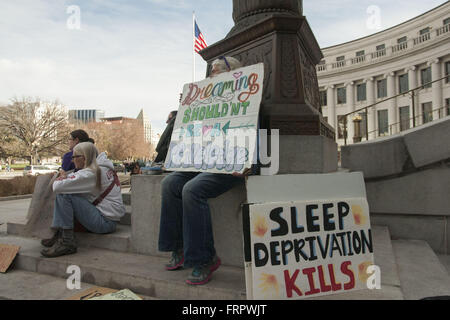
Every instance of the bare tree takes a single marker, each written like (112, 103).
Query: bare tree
(121, 140)
(35, 127)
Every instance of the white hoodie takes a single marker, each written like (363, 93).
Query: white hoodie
(84, 182)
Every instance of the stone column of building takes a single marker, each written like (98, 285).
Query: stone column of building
(412, 83)
(392, 111)
(331, 104)
(371, 113)
(350, 107)
(437, 88)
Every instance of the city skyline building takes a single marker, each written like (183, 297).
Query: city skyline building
(85, 115)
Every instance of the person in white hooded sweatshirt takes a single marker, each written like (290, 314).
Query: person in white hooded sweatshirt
(91, 195)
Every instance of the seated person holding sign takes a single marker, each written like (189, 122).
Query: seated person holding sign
(92, 195)
(185, 227)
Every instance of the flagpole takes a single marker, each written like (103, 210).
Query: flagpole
(193, 46)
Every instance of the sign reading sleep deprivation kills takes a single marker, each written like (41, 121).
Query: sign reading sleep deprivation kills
(216, 126)
(306, 249)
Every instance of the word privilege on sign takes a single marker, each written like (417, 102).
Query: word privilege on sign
(228, 159)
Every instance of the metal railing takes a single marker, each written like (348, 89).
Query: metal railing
(411, 92)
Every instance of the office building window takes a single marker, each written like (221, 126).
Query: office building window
(361, 92)
(382, 88)
(323, 98)
(447, 71)
(341, 95)
(402, 39)
(427, 114)
(341, 126)
(425, 30)
(341, 58)
(403, 85)
(404, 118)
(360, 53)
(381, 47)
(383, 122)
(446, 21)
(425, 77)
(447, 106)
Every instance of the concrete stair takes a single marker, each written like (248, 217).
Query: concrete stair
(421, 272)
(26, 285)
(113, 266)
(409, 270)
(119, 270)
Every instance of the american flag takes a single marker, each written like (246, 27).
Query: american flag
(200, 42)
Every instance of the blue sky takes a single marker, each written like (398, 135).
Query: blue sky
(133, 54)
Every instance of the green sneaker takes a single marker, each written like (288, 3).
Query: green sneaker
(60, 248)
(176, 261)
(202, 274)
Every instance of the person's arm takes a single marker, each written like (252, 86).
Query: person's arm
(79, 182)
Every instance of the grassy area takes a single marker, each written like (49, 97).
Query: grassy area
(17, 186)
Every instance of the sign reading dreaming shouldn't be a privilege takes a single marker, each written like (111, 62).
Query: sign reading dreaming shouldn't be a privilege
(216, 126)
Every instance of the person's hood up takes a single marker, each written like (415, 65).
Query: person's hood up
(103, 161)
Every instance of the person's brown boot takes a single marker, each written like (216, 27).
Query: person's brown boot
(50, 242)
(63, 246)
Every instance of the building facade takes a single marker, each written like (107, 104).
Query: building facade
(143, 118)
(85, 115)
(390, 63)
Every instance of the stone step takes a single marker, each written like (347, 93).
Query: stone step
(144, 275)
(119, 241)
(25, 285)
(421, 273)
(126, 219)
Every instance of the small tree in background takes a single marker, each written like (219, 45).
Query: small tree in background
(121, 140)
(33, 127)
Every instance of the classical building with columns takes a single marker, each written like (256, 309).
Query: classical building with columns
(387, 64)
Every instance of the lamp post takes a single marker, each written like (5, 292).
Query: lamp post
(357, 126)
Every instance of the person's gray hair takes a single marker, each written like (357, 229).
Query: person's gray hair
(90, 153)
(222, 63)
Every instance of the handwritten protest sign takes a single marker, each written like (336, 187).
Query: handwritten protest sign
(309, 248)
(216, 126)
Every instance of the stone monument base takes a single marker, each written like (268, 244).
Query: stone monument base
(307, 154)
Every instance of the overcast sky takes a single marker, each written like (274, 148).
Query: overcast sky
(132, 54)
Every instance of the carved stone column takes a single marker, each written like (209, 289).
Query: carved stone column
(392, 111)
(371, 116)
(276, 33)
(437, 88)
(331, 103)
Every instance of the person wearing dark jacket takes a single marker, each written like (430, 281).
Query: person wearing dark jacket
(164, 141)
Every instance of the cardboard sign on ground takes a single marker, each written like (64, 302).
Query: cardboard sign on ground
(119, 295)
(93, 292)
(7, 255)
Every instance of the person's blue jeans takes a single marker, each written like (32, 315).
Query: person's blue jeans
(70, 206)
(185, 214)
